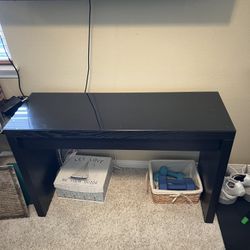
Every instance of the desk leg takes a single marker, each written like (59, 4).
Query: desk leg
(39, 169)
(212, 168)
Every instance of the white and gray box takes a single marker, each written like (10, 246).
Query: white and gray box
(93, 188)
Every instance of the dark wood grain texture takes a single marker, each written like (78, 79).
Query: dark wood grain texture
(195, 121)
(39, 169)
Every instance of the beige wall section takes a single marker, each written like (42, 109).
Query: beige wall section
(138, 45)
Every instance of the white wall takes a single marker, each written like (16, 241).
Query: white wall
(137, 45)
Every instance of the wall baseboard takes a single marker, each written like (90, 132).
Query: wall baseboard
(144, 164)
(131, 164)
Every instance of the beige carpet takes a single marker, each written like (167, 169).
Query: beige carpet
(127, 220)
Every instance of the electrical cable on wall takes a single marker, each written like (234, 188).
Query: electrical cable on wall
(12, 63)
(89, 47)
(88, 64)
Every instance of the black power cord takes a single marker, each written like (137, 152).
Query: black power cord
(13, 65)
(89, 48)
(98, 119)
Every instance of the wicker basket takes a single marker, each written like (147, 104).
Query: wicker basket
(12, 204)
(171, 196)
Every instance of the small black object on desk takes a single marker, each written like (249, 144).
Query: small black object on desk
(10, 106)
(195, 121)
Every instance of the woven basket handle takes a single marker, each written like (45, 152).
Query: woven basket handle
(147, 181)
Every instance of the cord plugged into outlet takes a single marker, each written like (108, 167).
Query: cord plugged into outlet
(15, 67)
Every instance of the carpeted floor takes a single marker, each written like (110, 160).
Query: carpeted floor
(127, 220)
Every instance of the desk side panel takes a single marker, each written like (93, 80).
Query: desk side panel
(39, 168)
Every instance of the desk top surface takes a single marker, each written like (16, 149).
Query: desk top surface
(173, 112)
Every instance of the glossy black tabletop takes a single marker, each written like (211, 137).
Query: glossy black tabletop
(189, 111)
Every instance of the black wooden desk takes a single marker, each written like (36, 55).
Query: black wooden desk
(145, 121)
